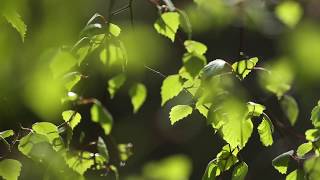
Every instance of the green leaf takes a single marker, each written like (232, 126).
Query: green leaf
(203, 109)
(193, 63)
(255, 109)
(125, 151)
(71, 79)
(179, 112)
(304, 149)
(15, 20)
(170, 88)
(114, 29)
(138, 94)
(27, 143)
(115, 83)
(297, 174)
(195, 47)
(312, 134)
(214, 68)
(289, 12)
(79, 161)
(265, 131)
(185, 23)
(168, 24)
(102, 149)
(101, 115)
(281, 162)
(312, 168)
(315, 115)
(240, 171)
(113, 53)
(62, 62)
(10, 169)
(47, 129)
(6, 134)
(244, 67)
(73, 118)
(290, 108)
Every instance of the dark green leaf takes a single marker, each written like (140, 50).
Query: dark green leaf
(138, 94)
(102, 149)
(281, 162)
(214, 68)
(101, 115)
(115, 83)
(290, 108)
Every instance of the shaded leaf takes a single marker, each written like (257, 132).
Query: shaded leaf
(102, 149)
(168, 24)
(290, 108)
(195, 47)
(193, 63)
(115, 83)
(15, 20)
(281, 162)
(101, 115)
(240, 171)
(138, 94)
(214, 68)
(315, 115)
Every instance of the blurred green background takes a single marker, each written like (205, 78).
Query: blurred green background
(259, 28)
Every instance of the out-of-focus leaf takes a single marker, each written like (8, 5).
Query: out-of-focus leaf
(315, 115)
(101, 115)
(15, 20)
(71, 79)
(62, 62)
(214, 68)
(281, 162)
(170, 88)
(244, 67)
(102, 148)
(138, 94)
(179, 112)
(125, 151)
(312, 134)
(6, 134)
(51, 132)
(168, 24)
(27, 143)
(115, 83)
(10, 169)
(290, 108)
(195, 47)
(297, 174)
(79, 161)
(312, 168)
(289, 12)
(185, 23)
(240, 171)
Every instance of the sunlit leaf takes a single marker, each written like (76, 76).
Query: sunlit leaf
(265, 132)
(62, 62)
(244, 67)
(315, 115)
(214, 68)
(73, 118)
(10, 169)
(101, 115)
(27, 143)
(179, 112)
(297, 174)
(290, 108)
(304, 149)
(255, 109)
(281, 162)
(79, 161)
(240, 171)
(71, 79)
(6, 134)
(289, 12)
(312, 168)
(125, 151)
(102, 149)
(15, 20)
(138, 94)
(47, 129)
(168, 24)
(170, 88)
(195, 47)
(115, 83)
(114, 29)
(312, 134)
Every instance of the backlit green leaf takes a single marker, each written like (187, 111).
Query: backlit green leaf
(290, 108)
(315, 115)
(265, 132)
(62, 62)
(115, 83)
(101, 115)
(244, 67)
(114, 29)
(297, 174)
(79, 161)
(281, 162)
(27, 143)
(6, 134)
(193, 63)
(312, 134)
(170, 88)
(138, 94)
(304, 149)
(195, 47)
(15, 20)
(47, 129)
(240, 171)
(179, 112)
(71, 79)
(73, 118)
(168, 24)
(289, 12)
(255, 109)
(10, 169)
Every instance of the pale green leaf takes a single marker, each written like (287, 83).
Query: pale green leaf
(195, 47)
(240, 171)
(47, 129)
(115, 83)
(114, 29)
(102, 149)
(289, 12)
(6, 134)
(15, 20)
(138, 94)
(255, 109)
(73, 118)
(312, 134)
(315, 115)
(304, 149)
(179, 112)
(79, 161)
(297, 174)
(62, 62)
(281, 162)
(214, 68)
(10, 169)
(312, 168)
(113, 54)
(244, 67)
(27, 143)
(71, 79)
(265, 132)
(168, 24)
(290, 108)
(101, 115)
(170, 88)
